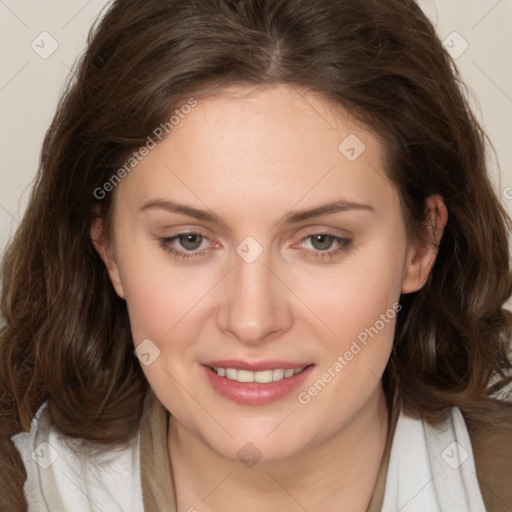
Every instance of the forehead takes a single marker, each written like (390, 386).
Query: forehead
(279, 142)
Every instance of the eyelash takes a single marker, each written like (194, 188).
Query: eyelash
(345, 244)
(165, 244)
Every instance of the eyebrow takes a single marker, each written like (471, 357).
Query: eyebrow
(340, 205)
(170, 206)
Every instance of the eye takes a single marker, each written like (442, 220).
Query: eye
(190, 241)
(185, 245)
(322, 241)
(325, 246)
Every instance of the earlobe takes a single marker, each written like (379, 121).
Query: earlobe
(422, 255)
(104, 249)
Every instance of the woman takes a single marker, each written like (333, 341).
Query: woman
(262, 267)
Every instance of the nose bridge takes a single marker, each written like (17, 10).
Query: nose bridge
(254, 305)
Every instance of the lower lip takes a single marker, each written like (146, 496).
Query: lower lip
(253, 393)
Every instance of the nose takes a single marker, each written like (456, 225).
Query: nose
(255, 306)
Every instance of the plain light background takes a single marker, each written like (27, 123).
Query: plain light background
(40, 40)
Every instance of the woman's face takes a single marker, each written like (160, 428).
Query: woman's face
(263, 234)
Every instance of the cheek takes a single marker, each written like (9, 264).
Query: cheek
(159, 299)
(159, 294)
(352, 295)
(359, 305)
(163, 303)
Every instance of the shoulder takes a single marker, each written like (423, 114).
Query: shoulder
(492, 452)
(69, 474)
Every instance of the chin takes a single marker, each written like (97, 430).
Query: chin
(255, 444)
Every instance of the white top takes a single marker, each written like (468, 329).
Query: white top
(431, 469)
(61, 479)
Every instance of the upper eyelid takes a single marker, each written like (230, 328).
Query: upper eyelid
(339, 232)
(338, 241)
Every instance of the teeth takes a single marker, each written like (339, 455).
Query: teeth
(245, 376)
(277, 374)
(262, 377)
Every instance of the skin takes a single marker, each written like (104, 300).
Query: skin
(252, 156)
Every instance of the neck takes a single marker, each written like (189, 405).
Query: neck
(337, 474)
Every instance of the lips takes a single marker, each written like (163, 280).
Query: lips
(251, 392)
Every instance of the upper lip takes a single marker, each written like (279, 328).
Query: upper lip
(254, 366)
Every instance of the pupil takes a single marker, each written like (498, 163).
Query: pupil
(322, 242)
(190, 242)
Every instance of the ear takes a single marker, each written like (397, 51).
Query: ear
(104, 248)
(421, 255)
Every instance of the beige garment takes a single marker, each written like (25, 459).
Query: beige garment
(155, 467)
(492, 450)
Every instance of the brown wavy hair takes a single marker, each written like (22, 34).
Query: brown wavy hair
(66, 335)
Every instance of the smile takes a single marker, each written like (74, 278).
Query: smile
(258, 386)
